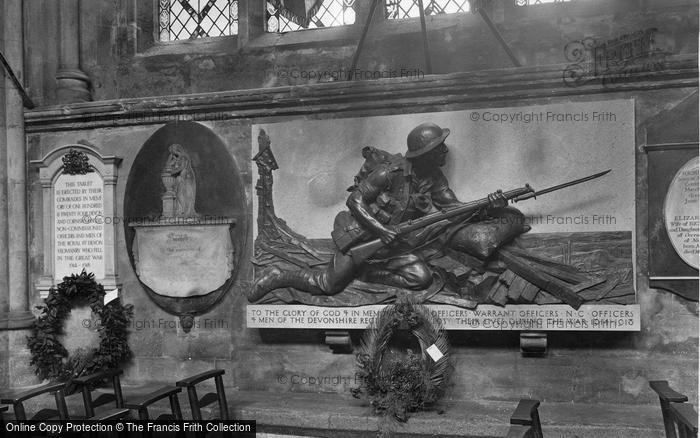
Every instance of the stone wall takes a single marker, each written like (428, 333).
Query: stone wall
(582, 367)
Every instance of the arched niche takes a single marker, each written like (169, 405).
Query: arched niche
(219, 202)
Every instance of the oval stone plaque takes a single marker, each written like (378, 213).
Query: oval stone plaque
(681, 213)
(186, 262)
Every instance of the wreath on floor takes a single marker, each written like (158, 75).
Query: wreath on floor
(50, 357)
(408, 384)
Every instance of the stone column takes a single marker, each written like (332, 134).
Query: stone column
(251, 21)
(16, 174)
(73, 85)
(4, 289)
(13, 215)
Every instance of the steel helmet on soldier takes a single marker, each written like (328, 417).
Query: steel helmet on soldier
(424, 138)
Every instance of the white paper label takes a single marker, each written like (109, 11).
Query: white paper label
(111, 296)
(434, 352)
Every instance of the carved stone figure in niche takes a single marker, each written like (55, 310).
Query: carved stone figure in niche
(180, 184)
(390, 190)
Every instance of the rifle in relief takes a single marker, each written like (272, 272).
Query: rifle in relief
(365, 250)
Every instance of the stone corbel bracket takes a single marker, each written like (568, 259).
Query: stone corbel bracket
(339, 341)
(533, 344)
(50, 168)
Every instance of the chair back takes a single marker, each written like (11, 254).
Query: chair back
(196, 403)
(685, 420)
(525, 421)
(17, 401)
(87, 385)
(678, 421)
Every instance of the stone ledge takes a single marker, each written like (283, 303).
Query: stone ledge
(340, 415)
(470, 88)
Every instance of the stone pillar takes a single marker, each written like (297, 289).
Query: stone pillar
(16, 171)
(13, 216)
(4, 289)
(251, 21)
(73, 85)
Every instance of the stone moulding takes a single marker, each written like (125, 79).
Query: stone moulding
(679, 71)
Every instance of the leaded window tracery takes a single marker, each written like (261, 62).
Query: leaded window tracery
(190, 19)
(325, 13)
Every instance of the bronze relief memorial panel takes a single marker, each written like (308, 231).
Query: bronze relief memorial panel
(362, 211)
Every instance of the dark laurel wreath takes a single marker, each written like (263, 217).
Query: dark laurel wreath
(401, 386)
(50, 357)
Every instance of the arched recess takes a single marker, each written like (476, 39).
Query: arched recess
(219, 197)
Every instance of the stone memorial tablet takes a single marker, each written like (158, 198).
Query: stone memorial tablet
(78, 230)
(78, 188)
(555, 317)
(681, 213)
(183, 260)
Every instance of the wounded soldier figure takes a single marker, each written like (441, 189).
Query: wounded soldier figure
(393, 189)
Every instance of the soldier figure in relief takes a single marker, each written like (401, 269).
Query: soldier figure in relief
(388, 190)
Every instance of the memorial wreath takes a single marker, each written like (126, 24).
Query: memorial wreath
(51, 358)
(407, 384)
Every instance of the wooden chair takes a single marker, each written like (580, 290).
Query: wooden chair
(685, 419)
(196, 403)
(525, 421)
(17, 401)
(3, 408)
(674, 411)
(140, 404)
(668, 398)
(87, 385)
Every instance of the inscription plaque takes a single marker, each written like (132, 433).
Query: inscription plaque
(78, 228)
(555, 317)
(681, 213)
(183, 260)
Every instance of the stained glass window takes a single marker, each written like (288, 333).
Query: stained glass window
(397, 9)
(189, 19)
(330, 13)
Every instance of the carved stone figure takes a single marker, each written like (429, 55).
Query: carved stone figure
(392, 189)
(180, 184)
